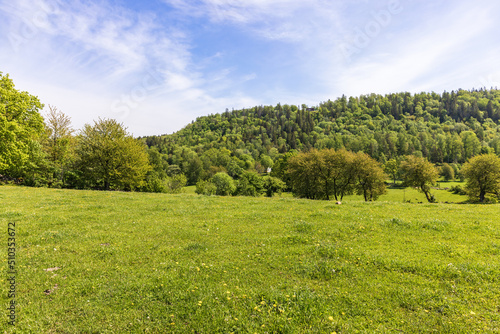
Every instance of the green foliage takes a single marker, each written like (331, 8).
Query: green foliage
(420, 173)
(370, 178)
(273, 185)
(321, 174)
(21, 125)
(224, 184)
(391, 167)
(458, 190)
(110, 158)
(205, 188)
(448, 127)
(447, 172)
(483, 176)
(249, 184)
(175, 183)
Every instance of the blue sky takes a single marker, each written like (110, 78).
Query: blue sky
(157, 65)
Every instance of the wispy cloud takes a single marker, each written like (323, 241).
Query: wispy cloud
(159, 65)
(121, 59)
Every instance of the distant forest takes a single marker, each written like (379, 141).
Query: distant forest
(44, 150)
(447, 128)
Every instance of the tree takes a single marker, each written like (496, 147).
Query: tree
(110, 158)
(322, 174)
(391, 167)
(175, 183)
(483, 176)
(249, 184)
(273, 185)
(302, 178)
(21, 126)
(224, 184)
(420, 173)
(59, 143)
(370, 178)
(447, 172)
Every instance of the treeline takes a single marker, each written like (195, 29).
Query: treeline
(253, 147)
(451, 127)
(38, 151)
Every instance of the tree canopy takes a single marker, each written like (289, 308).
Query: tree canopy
(110, 158)
(483, 176)
(21, 125)
(420, 173)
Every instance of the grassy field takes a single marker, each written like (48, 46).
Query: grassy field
(115, 262)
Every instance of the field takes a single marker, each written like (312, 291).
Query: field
(116, 262)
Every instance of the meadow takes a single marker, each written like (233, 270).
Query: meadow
(117, 262)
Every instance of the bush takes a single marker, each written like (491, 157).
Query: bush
(154, 185)
(458, 190)
(273, 185)
(175, 183)
(250, 184)
(447, 172)
(224, 184)
(205, 188)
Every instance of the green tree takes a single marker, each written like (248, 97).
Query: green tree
(322, 174)
(110, 158)
(59, 144)
(420, 173)
(224, 184)
(301, 177)
(482, 173)
(175, 183)
(249, 184)
(447, 172)
(370, 178)
(21, 126)
(391, 167)
(273, 185)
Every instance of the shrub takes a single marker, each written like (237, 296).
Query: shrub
(273, 185)
(250, 184)
(224, 184)
(205, 188)
(175, 183)
(458, 190)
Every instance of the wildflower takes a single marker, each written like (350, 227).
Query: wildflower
(330, 318)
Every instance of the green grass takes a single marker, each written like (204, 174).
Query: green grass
(156, 263)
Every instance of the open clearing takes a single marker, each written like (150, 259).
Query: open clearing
(114, 262)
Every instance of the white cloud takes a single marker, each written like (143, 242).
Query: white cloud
(438, 54)
(94, 60)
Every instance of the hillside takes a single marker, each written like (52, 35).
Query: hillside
(451, 127)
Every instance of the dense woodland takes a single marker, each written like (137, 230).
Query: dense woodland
(446, 129)
(451, 127)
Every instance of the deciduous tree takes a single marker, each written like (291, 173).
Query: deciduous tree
(370, 178)
(483, 176)
(21, 126)
(420, 173)
(111, 158)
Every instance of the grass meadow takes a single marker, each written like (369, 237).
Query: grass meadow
(116, 262)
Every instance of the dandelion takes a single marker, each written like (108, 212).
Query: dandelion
(330, 318)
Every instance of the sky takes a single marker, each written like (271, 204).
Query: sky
(157, 65)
